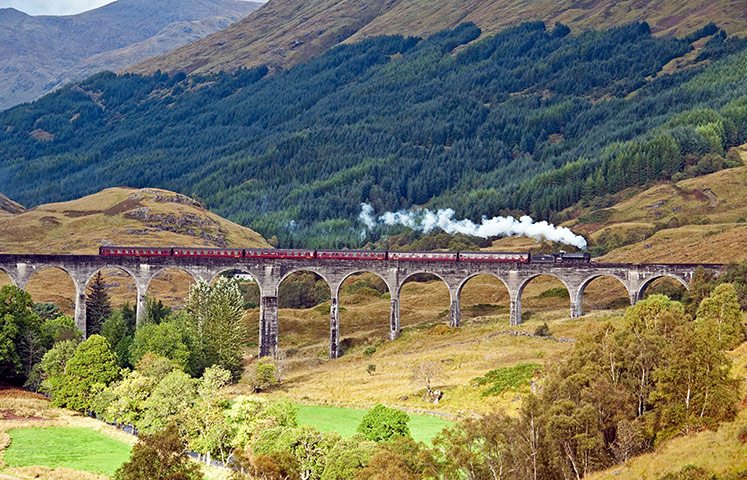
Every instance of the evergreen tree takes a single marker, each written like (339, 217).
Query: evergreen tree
(98, 305)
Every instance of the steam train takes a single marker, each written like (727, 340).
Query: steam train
(519, 257)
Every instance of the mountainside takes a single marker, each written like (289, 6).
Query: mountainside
(39, 53)
(288, 32)
(531, 119)
(9, 206)
(119, 216)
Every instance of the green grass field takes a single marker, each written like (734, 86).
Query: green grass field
(70, 447)
(346, 420)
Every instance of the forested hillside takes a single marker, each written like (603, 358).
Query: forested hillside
(531, 119)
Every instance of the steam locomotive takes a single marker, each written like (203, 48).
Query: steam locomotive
(519, 257)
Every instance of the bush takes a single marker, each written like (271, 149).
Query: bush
(159, 457)
(264, 375)
(742, 435)
(382, 424)
(689, 472)
(507, 378)
(543, 330)
(371, 369)
(369, 351)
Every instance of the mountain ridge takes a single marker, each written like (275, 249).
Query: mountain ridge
(39, 53)
(283, 33)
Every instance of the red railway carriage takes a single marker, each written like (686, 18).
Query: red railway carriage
(426, 256)
(522, 257)
(136, 251)
(208, 252)
(275, 253)
(351, 254)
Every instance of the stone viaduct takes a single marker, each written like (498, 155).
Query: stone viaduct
(269, 273)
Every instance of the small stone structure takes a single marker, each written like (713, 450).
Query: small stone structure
(269, 273)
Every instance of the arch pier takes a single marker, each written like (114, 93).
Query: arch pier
(269, 273)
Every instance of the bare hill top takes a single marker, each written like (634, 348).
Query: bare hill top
(120, 216)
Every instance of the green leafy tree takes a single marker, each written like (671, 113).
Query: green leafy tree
(252, 414)
(128, 398)
(264, 375)
(165, 339)
(119, 335)
(306, 443)
(21, 343)
(59, 328)
(719, 316)
(205, 426)
(91, 368)
(348, 457)
(159, 457)
(694, 388)
(214, 319)
(175, 394)
(98, 305)
(382, 423)
(53, 366)
(476, 448)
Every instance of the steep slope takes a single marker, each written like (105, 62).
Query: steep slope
(9, 206)
(39, 53)
(120, 216)
(699, 220)
(287, 32)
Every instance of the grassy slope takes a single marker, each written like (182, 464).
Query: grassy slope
(717, 200)
(36, 412)
(69, 447)
(345, 421)
(286, 32)
(116, 216)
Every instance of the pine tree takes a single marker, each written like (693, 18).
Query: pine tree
(98, 305)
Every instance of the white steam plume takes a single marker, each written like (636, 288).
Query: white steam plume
(426, 220)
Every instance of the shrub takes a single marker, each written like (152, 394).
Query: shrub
(507, 378)
(159, 456)
(543, 330)
(369, 351)
(742, 435)
(371, 369)
(264, 375)
(382, 424)
(689, 472)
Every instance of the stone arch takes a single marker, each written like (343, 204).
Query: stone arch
(585, 283)
(366, 320)
(457, 303)
(653, 278)
(301, 315)
(79, 300)
(312, 269)
(516, 307)
(421, 272)
(350, 273)
(196, 277)
(473, 275)
(135, 279)
(111, 267)
(217, 273)
(76, 281)
(453, 299)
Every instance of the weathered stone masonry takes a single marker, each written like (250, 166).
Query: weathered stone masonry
(269, 273)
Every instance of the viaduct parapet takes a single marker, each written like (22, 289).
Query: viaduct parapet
(269, 273)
